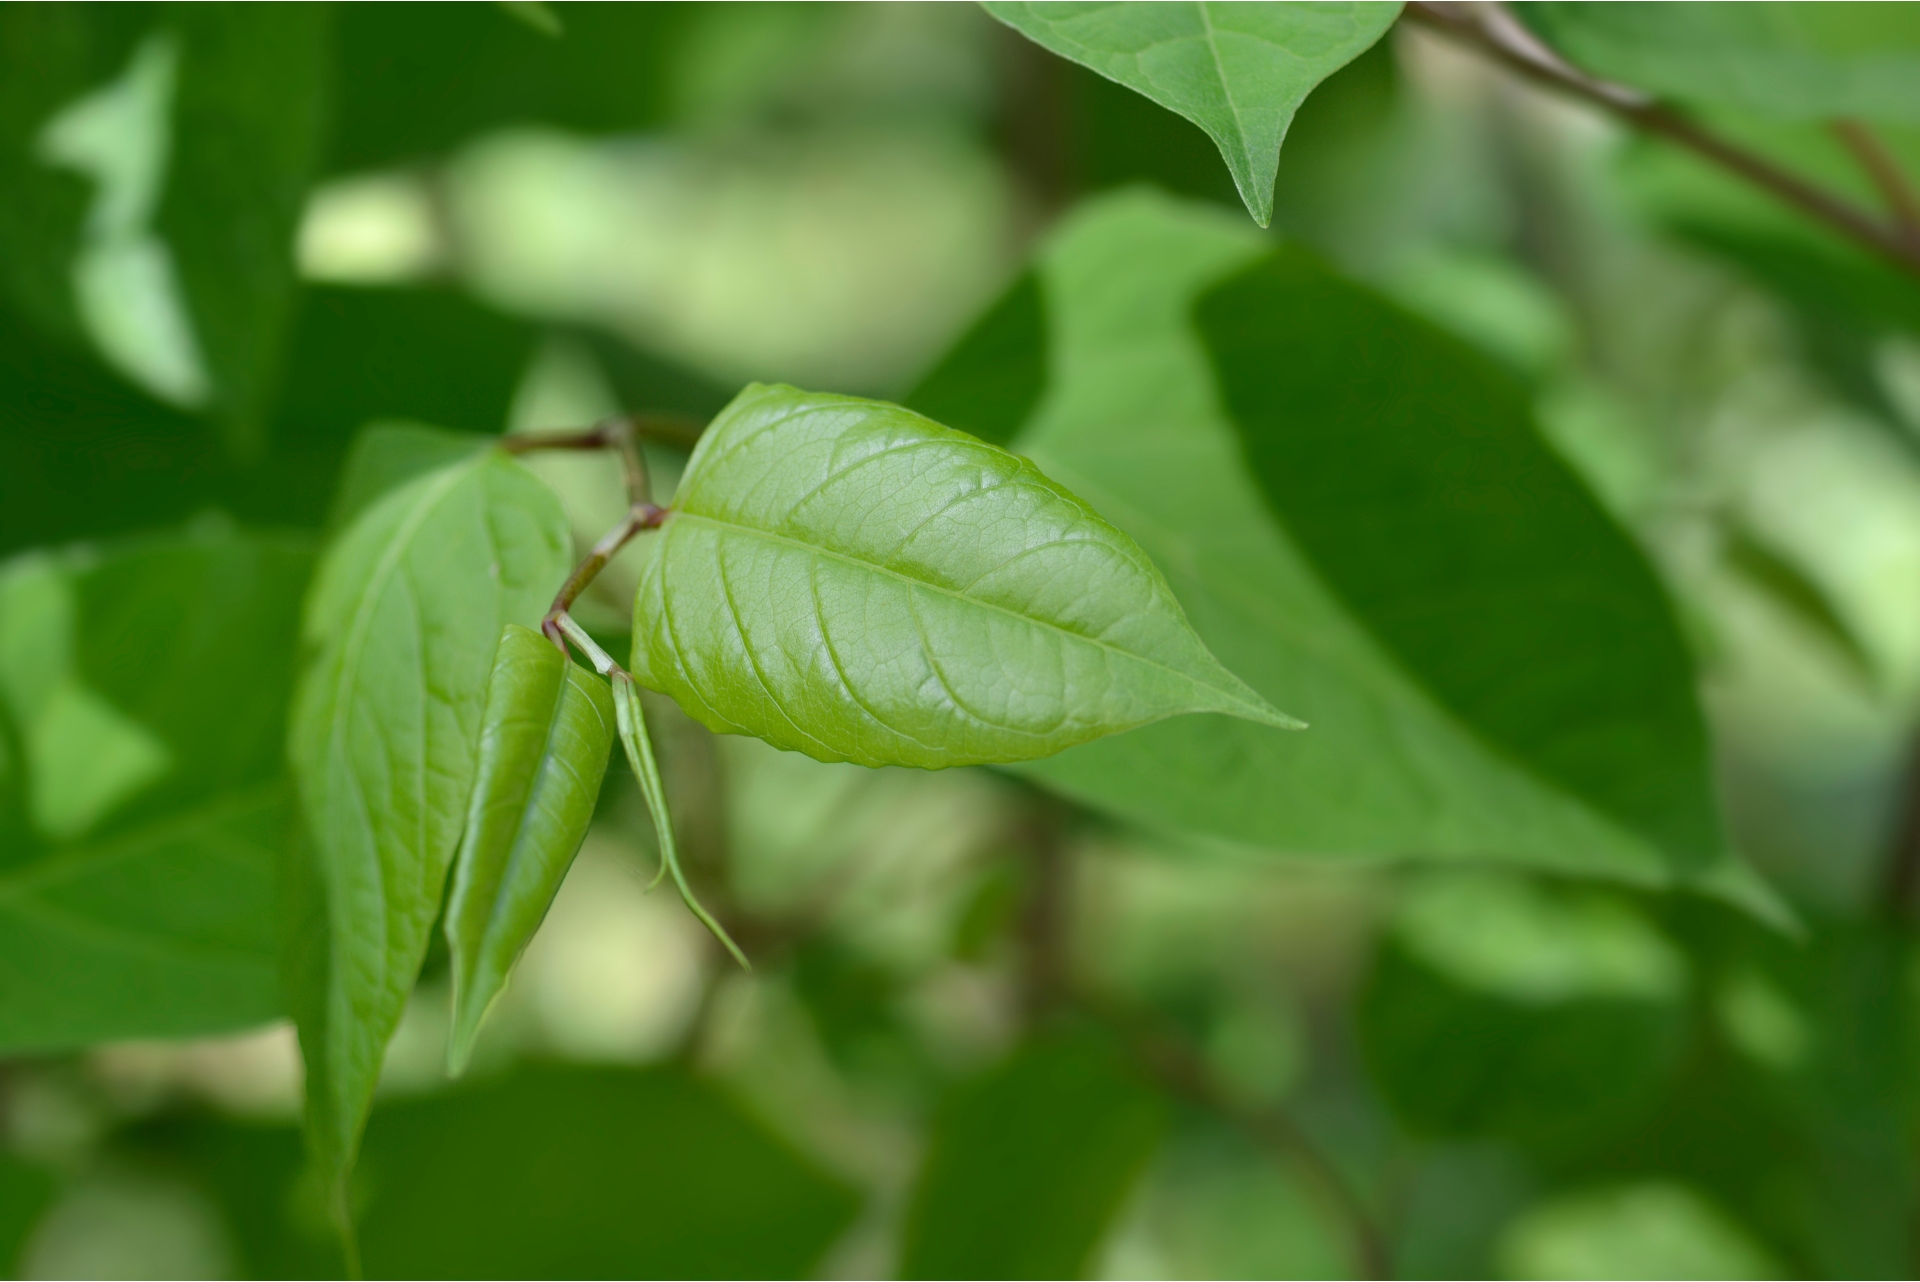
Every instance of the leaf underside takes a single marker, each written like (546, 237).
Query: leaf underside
(847, 579)
(543, 751)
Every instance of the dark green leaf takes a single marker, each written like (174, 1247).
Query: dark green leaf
(554, 1172)
(143, 905)
(404, 617)
(1029, 1165)
(847, 579)
(1787, 61)
(25, 1191)
(414, 80)
(990, 382)
(1238, 71)
(1499, 1008)
(544, 743)
(1407, 470)
(248, 118)
(1133, 420)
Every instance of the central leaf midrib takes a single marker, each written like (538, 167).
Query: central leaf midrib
(873, 567)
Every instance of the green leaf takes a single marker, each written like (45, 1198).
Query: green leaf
(1239, 71)
(552, 1172)
(161, 157)
(1500, 1008)
(1400, 762)
(543, 751)
(404, 617)
(1785, 61)
(1407, 469)
(144, 904)
(990, 381)
(847, 579)
(248, 119)
(1649, 1230)
(1029, 1164)
(1800, 596)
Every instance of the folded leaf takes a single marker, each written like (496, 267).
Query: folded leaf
(847, 579)
(543, 752)
(1239, 71)
(404, 617)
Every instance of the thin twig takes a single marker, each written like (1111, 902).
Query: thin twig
(1888, 178)
(641, 516)
(1531, 61)
(1181, 1071)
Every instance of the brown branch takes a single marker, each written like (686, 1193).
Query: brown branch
(1505, 43)
(1046, 918)
(1888, 178)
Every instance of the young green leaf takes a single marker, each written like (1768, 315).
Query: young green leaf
(404, 618)
(1239, 71)
(543, 752)
(847, 579)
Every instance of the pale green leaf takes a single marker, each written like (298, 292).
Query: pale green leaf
(1404, 760)
(403, 619)
(1789, 61)
(543, 751)
(850, 580)
(1239, 71)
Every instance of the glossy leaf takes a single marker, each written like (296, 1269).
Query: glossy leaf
(137, 888)
(1030, 1163)
(1133, 420)
(1785, 61)
(544, 744)
(1239, 71)
(403, 620)
(847, 579)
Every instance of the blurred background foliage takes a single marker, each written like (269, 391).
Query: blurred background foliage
(989, 1034)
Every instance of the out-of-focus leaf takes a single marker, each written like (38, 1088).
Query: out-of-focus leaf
(989, 382)
(1133, 422)
(146, 908)
(1787, 61)
(249, 114)
(847, 579)
(156, 161)
(554, 1172)
(1790, 588)
(25, 1191)
(1783, 1114)
(1029, 1164)
(404, 616)
(544, 743)
(1496, 1008)
(1653, 1230)
(1408, 472)
(414, 80)
(1237, 71)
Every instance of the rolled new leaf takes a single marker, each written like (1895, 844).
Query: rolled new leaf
(544, 746)
(850, 580)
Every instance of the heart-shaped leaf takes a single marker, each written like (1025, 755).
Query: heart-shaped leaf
(1239, 71)
(848, 579)
(543, 752)
(404, 617)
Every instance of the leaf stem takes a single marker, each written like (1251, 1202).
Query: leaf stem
(623, 433)
(1500, 37)
(1880, 166)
